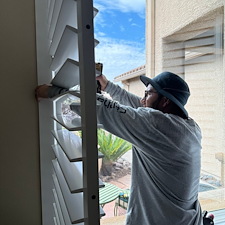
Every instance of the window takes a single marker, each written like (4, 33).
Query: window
(195, 53)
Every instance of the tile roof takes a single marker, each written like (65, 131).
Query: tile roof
(131, 74)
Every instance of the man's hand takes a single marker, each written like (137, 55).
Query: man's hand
(41, 91)
(103, 81)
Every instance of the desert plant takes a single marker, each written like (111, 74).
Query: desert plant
(112, 147)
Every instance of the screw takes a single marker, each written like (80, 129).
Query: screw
(93, 197)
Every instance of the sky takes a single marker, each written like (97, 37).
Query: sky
(119, 26)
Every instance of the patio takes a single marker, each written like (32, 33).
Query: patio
(213, 201)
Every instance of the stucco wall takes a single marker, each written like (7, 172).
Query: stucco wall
(171, 17)
(135, 86)
(20, 178)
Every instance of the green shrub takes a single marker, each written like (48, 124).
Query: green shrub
(112, 147)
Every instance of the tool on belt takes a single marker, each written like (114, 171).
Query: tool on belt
(208, 219)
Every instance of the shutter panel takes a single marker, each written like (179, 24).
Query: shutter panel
(74, 172)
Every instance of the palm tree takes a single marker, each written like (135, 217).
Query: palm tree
(112, 147)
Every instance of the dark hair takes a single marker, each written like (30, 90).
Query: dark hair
(177, 110)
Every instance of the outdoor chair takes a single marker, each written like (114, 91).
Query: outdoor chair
(122, 200)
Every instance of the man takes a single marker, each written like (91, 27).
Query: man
(166, 148)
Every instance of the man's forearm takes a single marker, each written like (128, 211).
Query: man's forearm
(121, 95)
(54, 90)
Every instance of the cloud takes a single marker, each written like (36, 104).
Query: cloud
(137, 6)
(101, 34)
(122, 28)
(119, 56)
(135, 25)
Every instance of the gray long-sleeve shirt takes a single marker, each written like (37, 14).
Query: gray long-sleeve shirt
(166, 160)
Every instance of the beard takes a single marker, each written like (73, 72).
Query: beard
(156, 103)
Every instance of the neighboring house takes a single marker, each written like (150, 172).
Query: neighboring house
(187, 38)
(131, 81)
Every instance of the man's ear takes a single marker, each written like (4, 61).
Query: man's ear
(166, 101)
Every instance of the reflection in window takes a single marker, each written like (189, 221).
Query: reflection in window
(195, 53)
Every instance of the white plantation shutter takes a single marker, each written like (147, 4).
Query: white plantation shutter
(70, 181)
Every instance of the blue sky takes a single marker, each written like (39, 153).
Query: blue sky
(120, 28)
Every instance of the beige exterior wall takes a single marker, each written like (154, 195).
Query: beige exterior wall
(134, 86)
(207, 82)
(170, 17)
(20, 172)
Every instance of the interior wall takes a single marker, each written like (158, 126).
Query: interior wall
(20, 172)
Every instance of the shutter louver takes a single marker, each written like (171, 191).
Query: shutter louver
(56, 218)
(66, 18)
(53, 19)
(59, 211)
(70, 143)
(63, 206)
(69, 69)
(65, 49)
(73, 172)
